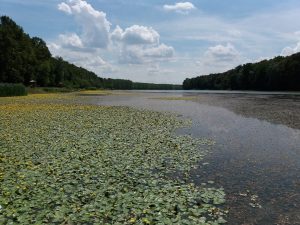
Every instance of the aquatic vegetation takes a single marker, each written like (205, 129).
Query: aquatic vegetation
(253, 199)
(104, 92)
(95, 92)
(30, 99)
(67, 163)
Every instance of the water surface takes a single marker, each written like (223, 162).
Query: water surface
(257, 151)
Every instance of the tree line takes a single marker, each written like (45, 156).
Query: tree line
(277, 74)
(129, 85)
(25, 60)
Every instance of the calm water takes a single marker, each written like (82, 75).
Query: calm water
(252, 156)
(183, 92)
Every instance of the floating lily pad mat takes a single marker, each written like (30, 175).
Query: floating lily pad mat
(66, 163)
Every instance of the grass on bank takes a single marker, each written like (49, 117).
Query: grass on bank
(66, 163)
(83, 92)
(46, 90)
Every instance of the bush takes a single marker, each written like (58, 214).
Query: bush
(7, 89)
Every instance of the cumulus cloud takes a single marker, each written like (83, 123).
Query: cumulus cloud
(136, 35)
(140, 44)
(117, 34)
(291, 50)
(70, 41)
(86, 59)
(160, 51)
(220, 58)
(180, 7)
(95, 27)
(130, 45)
(222, 52)
(65, 8)
(145, 54)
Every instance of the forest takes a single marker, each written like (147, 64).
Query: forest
(277, 74)
(24, 59)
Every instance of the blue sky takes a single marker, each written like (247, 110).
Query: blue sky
(160, 41)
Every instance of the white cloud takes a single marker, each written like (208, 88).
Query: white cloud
(131, 55)
(136, 44)
(65, 8)
(140, 44)
(222, 53)
(145, 54)
(291, 50)
(94, 25)
(160, 51)
(70, 41)
(117, 34)
(140, 35)
(180, 7)
(87, 59)
(220, 58)
(136, 35)
(96, 61)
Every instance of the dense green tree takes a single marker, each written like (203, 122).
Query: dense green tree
(17, 57)
(149, 86)
(280, 73)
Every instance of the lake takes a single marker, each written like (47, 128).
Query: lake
(256, 157)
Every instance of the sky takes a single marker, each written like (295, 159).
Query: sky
(160, 41)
